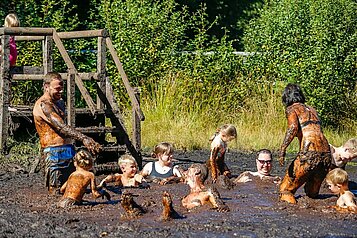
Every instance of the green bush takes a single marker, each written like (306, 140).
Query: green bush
(313, 43)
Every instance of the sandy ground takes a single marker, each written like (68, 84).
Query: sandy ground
(27, 211)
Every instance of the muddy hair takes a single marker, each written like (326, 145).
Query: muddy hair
(164, 148)
(11, 20)
(228, 129)
(337, 176)
(83, 159)
(51, 76)
(351, 145)
(202, 171)
(264, 151)
(292, 94)
(127, 159)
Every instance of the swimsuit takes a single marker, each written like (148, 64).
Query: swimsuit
(156, 174)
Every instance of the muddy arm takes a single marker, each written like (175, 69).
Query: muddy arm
(217, 202)
(171, 179)
(291, 132)
(63, 188)
(213, 163)
(94, 189)
(55, 120)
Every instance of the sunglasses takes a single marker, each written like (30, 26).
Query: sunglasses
(264, 161)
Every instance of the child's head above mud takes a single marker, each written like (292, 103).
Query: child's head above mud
(11, 20)
(337, 176)
(199, 171)
(83, 159)
(164, 148)
(127, 163)
(292, 94)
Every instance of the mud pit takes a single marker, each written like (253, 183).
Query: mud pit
(27, 211)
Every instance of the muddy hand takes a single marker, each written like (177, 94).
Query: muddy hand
(92, 146)
(223, 209)
(105, 194)
(281, 161)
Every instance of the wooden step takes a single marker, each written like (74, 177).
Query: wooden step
(23, 110)
(98, 129)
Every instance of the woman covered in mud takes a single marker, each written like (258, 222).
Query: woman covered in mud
(162, 170)
(314, 158)
(264, 163)
(216, 164)
(129, 176)
(77, 183)
(199, 195)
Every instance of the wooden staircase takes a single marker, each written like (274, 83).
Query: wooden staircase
(101, 119)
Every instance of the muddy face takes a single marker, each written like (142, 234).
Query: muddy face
(55, 89)
(264, 164)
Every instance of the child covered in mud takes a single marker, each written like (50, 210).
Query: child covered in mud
(216, 164)
(264, 163)
(337, 180)
(77, 183)
(343, 154)
(162, 170)
(199, 195)
(129, 176)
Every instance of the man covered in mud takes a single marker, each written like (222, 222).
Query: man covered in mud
(199, 195)
(56, 137)
(314, 158)
(264, 163)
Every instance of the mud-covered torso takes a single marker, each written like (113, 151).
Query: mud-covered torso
(49, 136)
(308, 125)
(76, 186)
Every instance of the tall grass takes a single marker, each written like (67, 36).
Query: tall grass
(188, 123)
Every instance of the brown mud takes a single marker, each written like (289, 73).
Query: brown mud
(27, 211)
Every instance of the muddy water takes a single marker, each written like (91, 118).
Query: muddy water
(27, 211)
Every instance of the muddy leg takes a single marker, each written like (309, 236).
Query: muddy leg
(294, 178)
(313, 184)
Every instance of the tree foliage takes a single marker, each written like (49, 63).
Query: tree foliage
(313, 43)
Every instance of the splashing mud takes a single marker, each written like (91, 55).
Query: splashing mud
(27, 211)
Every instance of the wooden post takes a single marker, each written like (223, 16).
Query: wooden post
(136, 123)
(71, 113)
(4, 91)
(101, 68)
(47, 55)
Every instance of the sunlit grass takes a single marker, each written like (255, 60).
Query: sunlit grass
(260, 124)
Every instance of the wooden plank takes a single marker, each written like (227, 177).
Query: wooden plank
(101, 68)
(29, 38)
(126, 82)
(83, 34)
(83, 76)
(4, 89)
(73, 70)
(27, 31)
(113, 105)
(27, 70)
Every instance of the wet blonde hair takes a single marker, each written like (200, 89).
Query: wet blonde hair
(337, 176)
(127, 159)
(84, 159)
(351, 145)
(11, 20)
(227, 129)
(164, 148)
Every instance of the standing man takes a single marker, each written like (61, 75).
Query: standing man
(56, 137)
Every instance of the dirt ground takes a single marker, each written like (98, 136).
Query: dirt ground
(27, 211)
